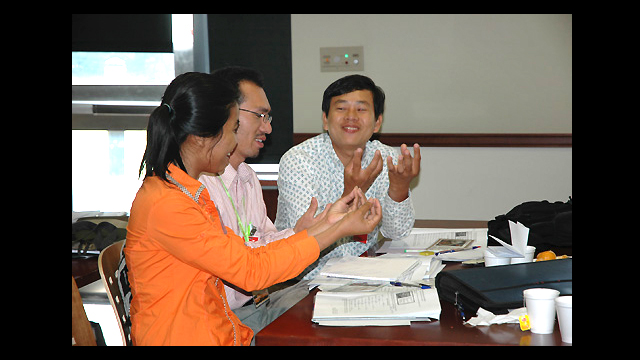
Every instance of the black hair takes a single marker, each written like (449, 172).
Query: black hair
(237, 74)
(352, 83)
(193, 104)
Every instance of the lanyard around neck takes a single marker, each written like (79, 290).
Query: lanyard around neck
(244, 229)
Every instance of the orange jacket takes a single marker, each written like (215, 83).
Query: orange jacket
(178, 251)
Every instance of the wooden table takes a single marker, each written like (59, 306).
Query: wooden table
(295, 327)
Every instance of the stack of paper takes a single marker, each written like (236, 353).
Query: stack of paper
(407, 268)
(378, 268)
(429, 267)
(388, 306)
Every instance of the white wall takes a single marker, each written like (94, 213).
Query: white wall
(480, 183)
(456, 74)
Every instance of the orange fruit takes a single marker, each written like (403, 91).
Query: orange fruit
(546, 255)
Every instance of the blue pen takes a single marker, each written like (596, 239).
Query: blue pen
(450, 251)
(421, 286)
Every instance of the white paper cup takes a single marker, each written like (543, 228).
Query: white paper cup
(492, 260)
(528, 256)
(541, 308)
(564, 308)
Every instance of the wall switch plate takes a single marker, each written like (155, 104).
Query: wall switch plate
(345, 58)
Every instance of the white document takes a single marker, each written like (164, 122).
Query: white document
(384, 269)
(519, 239)
(394, 304)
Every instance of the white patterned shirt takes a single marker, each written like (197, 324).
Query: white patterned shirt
(312, 169)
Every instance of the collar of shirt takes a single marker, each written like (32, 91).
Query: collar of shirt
(243, 174)
(196, 190)
(185, 182)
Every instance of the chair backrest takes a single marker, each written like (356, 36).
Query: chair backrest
(81, 332)
(108, 267)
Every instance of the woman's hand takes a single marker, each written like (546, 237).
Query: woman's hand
(333, 213)
(344, 205)
(309, 218)
(362, 220)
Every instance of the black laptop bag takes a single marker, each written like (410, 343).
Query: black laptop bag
(499, 288)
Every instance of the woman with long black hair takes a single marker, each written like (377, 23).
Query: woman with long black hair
(177, 250)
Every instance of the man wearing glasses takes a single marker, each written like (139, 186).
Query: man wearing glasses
(237, 194)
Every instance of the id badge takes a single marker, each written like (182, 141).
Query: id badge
(252, 234)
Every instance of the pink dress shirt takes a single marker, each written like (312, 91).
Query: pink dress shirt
(244, 187)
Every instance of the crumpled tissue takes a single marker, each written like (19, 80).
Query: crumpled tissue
(485, 317)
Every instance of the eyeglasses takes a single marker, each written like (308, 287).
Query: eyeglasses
(265, 117)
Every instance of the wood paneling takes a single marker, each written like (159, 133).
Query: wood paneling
(465, 140)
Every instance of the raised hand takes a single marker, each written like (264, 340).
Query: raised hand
(400, 175)
(355, 175)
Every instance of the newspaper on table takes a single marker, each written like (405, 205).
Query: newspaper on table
(421, 239)
(386, 306)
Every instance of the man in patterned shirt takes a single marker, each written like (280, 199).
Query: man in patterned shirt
(331, 164)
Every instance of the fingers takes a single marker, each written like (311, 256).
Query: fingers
(375, 167)
(360, 198)
(405, 161)
(313, 207)
(374, 212)
(363, 211)
(325, 211)
(416, 158)
(350, 196)
(356, 160)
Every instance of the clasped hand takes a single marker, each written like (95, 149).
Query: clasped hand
(361, 215)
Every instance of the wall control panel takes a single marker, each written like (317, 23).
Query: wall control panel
(346, 58)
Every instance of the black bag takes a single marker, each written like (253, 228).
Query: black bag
(499, 288)
(550, 225)
(86, 235)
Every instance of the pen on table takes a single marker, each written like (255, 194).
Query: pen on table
(421, 286)
(450, 251)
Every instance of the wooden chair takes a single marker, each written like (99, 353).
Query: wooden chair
(108, 266)
(81, 332)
